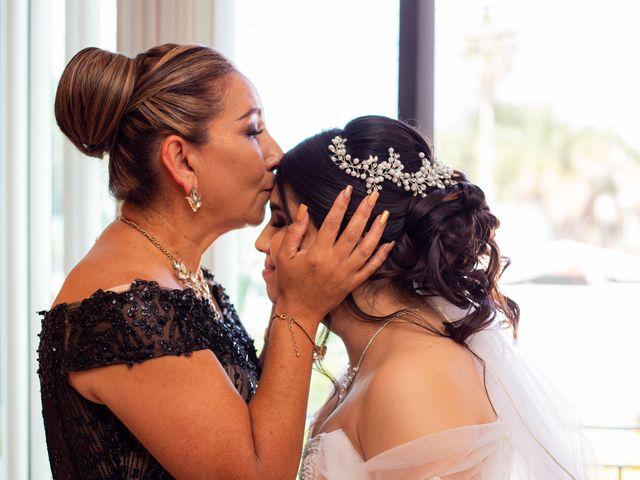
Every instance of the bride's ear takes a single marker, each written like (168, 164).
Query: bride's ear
(175, 158)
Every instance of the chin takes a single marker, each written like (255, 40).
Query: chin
(257, 218)
(271, 293)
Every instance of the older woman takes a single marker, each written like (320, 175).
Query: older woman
(146, 370)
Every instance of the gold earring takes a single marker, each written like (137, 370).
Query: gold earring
(195, 200)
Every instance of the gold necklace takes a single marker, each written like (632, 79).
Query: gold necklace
(189, 279)
(343, 386)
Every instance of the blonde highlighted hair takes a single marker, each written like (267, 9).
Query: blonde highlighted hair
(107, 103)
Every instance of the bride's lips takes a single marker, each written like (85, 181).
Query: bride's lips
(268, 269)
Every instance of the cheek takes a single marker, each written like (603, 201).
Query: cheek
(276, 243)
(253, 164)
(271, 279)
(243, 168)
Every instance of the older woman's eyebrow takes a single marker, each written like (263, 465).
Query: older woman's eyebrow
(250, 112)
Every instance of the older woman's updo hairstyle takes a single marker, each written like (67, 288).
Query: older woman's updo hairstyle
(107, 103)
(445, 245)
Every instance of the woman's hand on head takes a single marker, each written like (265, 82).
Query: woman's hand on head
(316, 279)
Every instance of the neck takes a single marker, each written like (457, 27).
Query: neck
(185, 236)
(356, 332)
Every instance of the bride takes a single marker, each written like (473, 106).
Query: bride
(435, 388)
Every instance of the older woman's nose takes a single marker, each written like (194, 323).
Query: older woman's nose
(274, 155)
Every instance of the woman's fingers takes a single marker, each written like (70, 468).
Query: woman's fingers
(329, 269)
(367, 245)
(352, 233)
(373, 264)
(331, 225)
(295, 232)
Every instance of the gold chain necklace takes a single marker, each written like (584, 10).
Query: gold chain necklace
(343, 386)
(189, 279)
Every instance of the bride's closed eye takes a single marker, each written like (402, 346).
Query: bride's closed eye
(277, 220)
(277, 223)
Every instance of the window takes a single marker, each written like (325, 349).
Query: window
(315, 67)
(44, 227)
(536, 101)
(79, 214)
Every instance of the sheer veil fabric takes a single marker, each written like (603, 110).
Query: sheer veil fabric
(536, 437)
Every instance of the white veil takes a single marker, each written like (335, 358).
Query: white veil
(546, 436)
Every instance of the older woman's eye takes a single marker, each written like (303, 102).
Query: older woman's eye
(254, 131)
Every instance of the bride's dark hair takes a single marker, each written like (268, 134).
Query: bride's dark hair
(445, 242)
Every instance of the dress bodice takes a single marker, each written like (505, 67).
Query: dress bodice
(475, 452)
(85, 439)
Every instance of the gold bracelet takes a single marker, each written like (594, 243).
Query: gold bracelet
(319, 351)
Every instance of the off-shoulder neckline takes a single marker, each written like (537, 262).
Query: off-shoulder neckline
(478, 426)
(128, 288)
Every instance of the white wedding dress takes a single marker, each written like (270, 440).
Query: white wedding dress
(480, 452)
(536, 436)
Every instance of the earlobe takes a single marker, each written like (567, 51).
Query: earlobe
(175, 160)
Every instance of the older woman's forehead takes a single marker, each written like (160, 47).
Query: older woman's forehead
(241, 98)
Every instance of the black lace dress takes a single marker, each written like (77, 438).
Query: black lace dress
(85, 440)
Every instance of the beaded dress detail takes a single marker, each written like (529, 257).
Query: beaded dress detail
(85, 439)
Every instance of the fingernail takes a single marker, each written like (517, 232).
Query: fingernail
(384, 217)
(302, 212)
(371, 199)
(392, 244)
(347, 192)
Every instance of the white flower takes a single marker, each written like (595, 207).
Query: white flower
(431, 173)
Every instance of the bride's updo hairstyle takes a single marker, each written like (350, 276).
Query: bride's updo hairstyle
(445, 245)
(107, 103)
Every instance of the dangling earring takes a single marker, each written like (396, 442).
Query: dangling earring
(195, 200)
(319, 356)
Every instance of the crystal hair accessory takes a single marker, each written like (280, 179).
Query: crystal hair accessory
(432, 173)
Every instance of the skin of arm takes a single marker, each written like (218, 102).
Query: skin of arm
(185, 410)
(188, 414)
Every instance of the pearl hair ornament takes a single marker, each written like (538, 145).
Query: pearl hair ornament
(432, 173)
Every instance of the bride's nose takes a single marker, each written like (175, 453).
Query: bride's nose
(262, 243)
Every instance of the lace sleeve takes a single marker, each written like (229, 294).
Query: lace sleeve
(129, 327)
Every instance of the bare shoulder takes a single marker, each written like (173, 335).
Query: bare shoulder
(91, 275)
(109, 264)
(424, 386)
